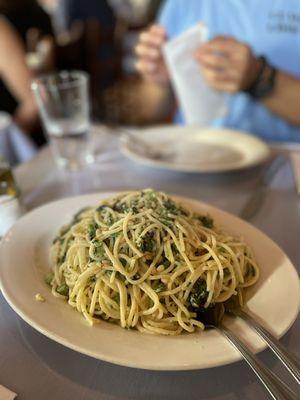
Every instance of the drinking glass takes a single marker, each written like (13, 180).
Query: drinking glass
(63, 101)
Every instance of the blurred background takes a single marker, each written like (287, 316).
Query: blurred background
(95, 36)
(252, 78)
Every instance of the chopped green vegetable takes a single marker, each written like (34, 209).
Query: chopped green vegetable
(106, 212)
(198, 294)
(116, 234)
(63, 290)
(49, 278)
(206, 221)
(102, 207)
(77, 216)
(174, 248)
(116, 298)
(159, 288)
(58, 239)
(123, 262)
(146, 244)
(92, 230)
(221, 249)
(149, 194)
(121, 208)
(166, 263)
(250, 270)
(150, 199)
(170, 206)
(166, 221)
(63, 258)
(109, 220)
(99, 252)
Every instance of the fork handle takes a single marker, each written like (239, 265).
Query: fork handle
(289, 360)
(276, 388)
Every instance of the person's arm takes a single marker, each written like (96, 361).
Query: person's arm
(285, 99)
(150, 62)
(17, 77)
(230, 66)
(152, 67)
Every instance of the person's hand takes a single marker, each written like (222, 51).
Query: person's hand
(227, 64)
(149, 50)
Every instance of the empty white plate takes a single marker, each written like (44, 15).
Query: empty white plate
(192, 149)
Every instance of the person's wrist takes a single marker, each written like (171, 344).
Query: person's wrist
(264, 79)
(254, 72)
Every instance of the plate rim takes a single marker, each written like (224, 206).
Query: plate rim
(112, 359)
(147, 161)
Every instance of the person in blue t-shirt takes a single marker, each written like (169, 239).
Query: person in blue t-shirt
(253, 53)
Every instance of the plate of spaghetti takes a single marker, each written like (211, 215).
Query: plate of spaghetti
(126, 278)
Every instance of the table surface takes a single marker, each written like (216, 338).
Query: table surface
(36, 367)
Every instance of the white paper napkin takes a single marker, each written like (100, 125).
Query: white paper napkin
(199, 102)
(6, 394)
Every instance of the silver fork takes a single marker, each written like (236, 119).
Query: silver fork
(290, 361)
(277, 389)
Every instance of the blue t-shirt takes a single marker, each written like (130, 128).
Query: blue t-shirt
(270, 27)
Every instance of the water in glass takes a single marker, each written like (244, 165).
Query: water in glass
(64, 106)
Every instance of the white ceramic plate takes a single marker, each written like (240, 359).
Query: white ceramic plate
(24, 264)
(192, 149)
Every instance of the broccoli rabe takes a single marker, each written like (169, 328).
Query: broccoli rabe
(206, 221)
(92, 230)
(63, 290)
(198, 295)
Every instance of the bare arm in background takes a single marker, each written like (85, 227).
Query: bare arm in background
(151, 64)
(285, 99)
(17, 76)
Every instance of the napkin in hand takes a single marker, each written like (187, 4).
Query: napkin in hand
(6, 394)
(200, 103)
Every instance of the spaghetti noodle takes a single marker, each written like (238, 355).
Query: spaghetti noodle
(144, 261)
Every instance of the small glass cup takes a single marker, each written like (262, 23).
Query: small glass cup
(63, 101)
